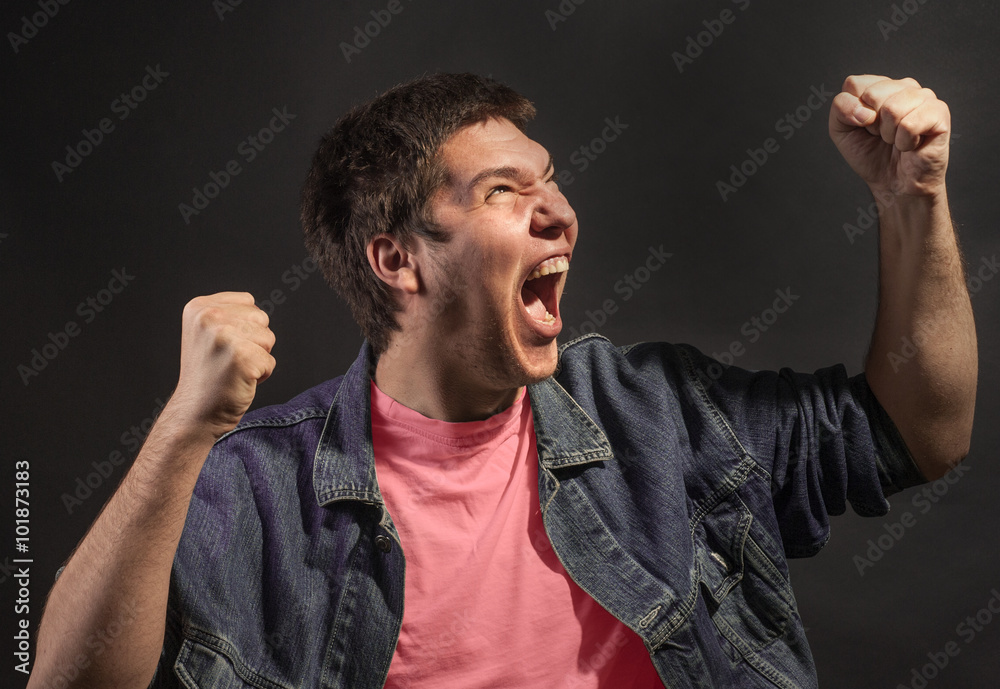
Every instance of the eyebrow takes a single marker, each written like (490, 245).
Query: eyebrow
(507, 172)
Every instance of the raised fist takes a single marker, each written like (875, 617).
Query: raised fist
(225, 351)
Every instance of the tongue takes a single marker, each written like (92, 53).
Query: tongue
(534, 305)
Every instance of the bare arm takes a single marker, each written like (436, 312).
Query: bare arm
(118, 577)
(922, 364)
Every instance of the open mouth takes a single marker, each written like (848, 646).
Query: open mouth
(539, 293)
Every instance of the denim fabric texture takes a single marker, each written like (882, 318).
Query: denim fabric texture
(672, 490)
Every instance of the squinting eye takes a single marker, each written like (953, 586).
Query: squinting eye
(496, 189)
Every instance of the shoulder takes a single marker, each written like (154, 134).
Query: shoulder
(594, 355)
(636, 378)
(310, 404)
(276, 436)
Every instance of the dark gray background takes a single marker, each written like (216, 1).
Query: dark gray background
(654, 185)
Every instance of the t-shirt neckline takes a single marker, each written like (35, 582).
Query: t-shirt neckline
(460, 433)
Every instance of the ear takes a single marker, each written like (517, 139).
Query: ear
(394, 264)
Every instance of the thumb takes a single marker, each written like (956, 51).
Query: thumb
(848, 113)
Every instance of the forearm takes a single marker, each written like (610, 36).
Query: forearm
(104, 621)
(922, 364)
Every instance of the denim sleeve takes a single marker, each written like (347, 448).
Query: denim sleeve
(823, 437)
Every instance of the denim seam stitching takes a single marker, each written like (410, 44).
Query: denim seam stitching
(604, 451)
(732, 483)
(722, 425)
(276, 422)
(746, 521)
(566, 345)
(775, 573)
(346, 589)
(195, 635)
(752, 658)
(684, 609)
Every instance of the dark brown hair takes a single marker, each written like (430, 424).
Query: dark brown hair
(375, 172)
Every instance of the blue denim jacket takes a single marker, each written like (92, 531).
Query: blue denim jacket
(672, 489)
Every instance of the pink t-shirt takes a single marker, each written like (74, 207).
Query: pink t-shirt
(487, 602)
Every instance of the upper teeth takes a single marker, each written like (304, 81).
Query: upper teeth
(549, 266)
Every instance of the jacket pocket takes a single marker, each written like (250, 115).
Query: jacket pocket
(749, 599)
(208, 662)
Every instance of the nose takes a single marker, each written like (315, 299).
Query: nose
(552, 213)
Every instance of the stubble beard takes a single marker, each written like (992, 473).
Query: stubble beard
(503, 361)
(497, 358)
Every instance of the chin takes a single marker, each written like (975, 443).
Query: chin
(541, 364)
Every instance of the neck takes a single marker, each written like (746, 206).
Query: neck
(425, 380)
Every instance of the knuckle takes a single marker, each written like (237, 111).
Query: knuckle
(244, 354)
(842, 100)
(892, 112)
(207, 317)
(193, 305)
(223, 336)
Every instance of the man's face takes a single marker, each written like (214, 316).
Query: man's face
(507, 222)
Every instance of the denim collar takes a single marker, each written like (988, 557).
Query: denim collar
(344, 463)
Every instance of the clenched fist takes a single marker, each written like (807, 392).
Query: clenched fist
(893, 133)
(225, 352)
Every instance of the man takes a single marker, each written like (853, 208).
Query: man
(595, 516)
